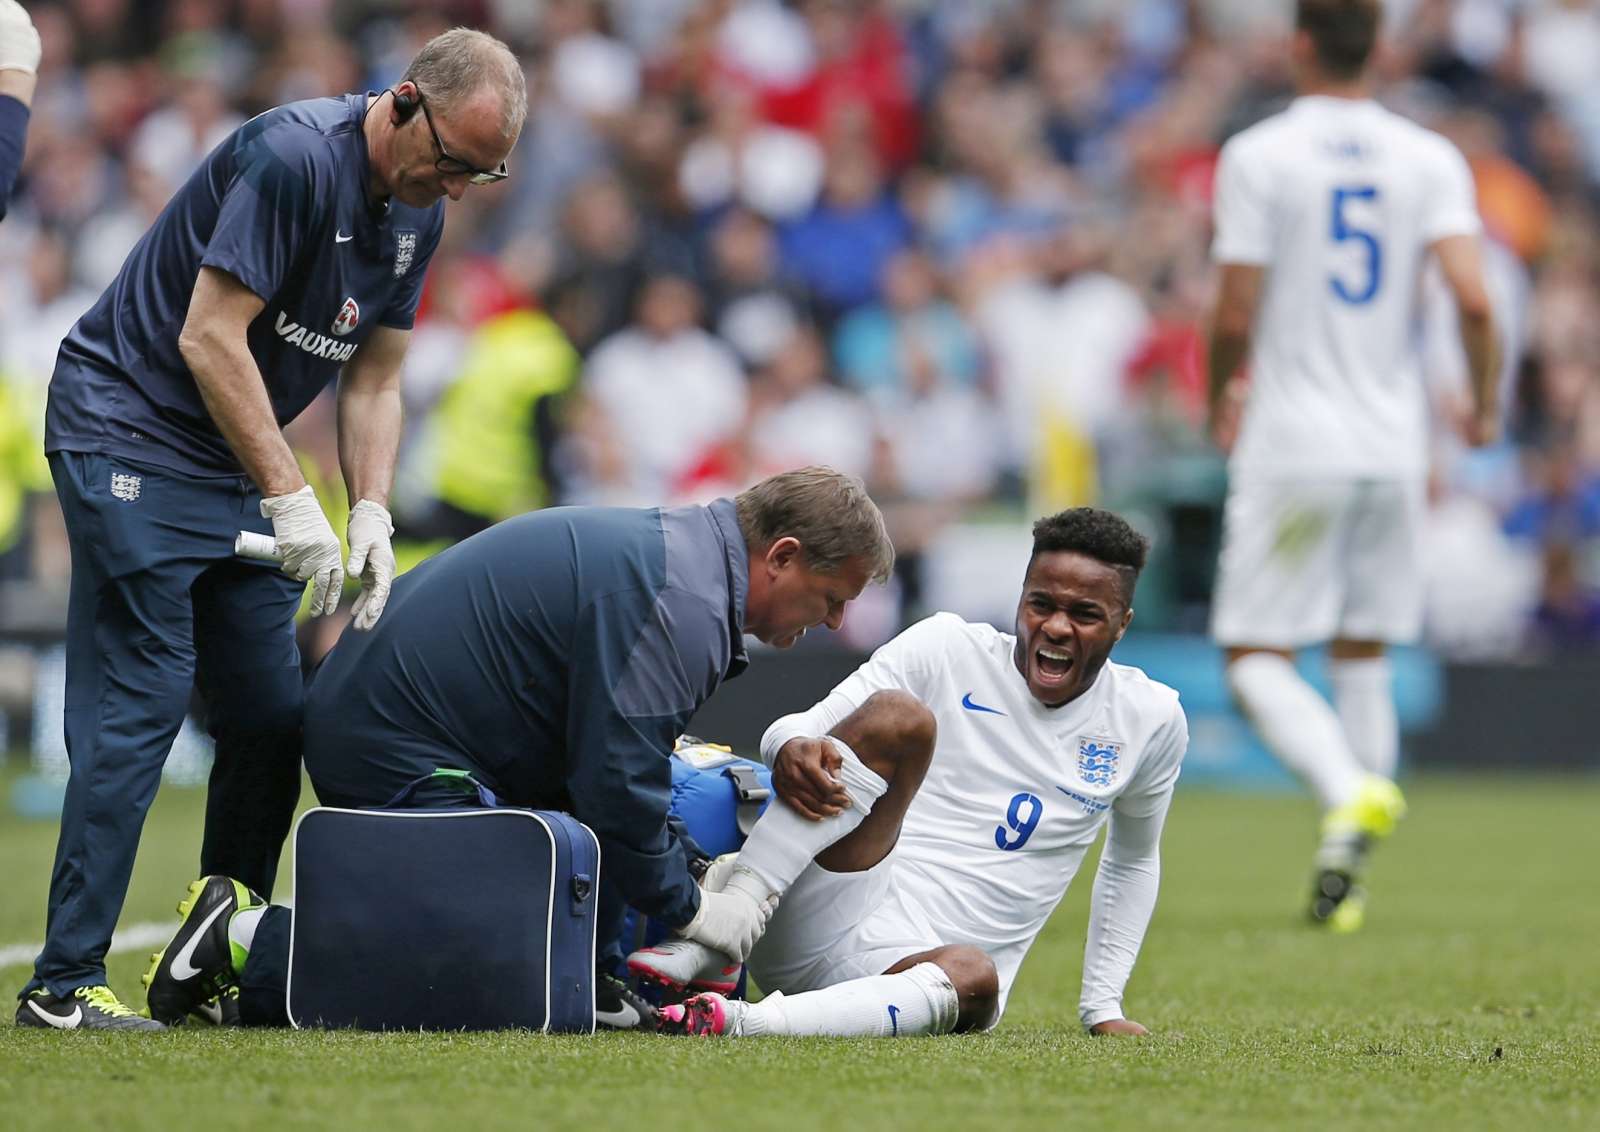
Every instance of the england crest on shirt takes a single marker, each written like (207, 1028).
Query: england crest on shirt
(1097, 760)
(349, 316)
(405, 250)
(126, 487)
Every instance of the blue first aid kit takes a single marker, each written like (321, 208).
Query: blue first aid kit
(443, 919)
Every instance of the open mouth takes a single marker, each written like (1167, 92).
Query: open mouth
(1052, 665)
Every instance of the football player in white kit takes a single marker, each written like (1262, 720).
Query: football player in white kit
(914, 918)
(1325, 216)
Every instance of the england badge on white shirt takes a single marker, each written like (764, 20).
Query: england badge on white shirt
(1097, 759)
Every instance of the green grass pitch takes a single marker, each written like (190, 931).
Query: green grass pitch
(1472, 1000)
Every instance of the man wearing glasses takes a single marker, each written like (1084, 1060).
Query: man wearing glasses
(294, 255)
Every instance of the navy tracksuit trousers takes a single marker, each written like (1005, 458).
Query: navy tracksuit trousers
(159, 605)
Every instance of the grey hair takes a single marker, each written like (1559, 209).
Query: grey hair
(458, 63)
(827, 512)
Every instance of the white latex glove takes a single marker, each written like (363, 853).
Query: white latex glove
(721, 868)
(371, 559)
(19, 42)
(308, 545)
(729, 922)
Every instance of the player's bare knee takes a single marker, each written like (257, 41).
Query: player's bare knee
(890, 731)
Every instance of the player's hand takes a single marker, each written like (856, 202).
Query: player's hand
(805, 775)
(308, 545)
(1222, 422)
(19, 42)
(1123, 1027)
(729, 922)
(371, 560)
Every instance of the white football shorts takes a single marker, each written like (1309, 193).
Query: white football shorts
(832, 927)
(1309, 560)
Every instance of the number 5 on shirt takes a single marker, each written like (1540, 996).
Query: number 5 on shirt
(1023, 827)
(1344, 230)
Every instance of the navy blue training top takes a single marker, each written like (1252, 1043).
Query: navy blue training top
(556, 655)
(281, 205)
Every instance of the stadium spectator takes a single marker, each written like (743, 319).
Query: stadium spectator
(19, 66)
(838, 249)
(296, 249)
(611, 628)
(799, 416)
(878, 346)
(666, 389)
(753, 306)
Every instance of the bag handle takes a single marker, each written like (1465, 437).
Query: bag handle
(449, 776)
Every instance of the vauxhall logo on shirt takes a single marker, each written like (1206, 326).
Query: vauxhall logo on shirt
(320, 345)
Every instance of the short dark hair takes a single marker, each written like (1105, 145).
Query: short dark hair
(1342, 33)
(1101, 535)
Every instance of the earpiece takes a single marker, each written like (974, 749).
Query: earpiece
(405, 105)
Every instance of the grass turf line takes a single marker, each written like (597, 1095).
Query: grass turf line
(1468, 1002)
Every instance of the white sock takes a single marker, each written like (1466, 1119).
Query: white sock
(242, 933)
(1364, 694)
(783, 843)
(919, 1001)
(1297, 725)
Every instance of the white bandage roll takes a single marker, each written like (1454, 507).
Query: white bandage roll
(249, 544)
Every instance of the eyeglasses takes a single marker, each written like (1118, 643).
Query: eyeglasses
(454, 166)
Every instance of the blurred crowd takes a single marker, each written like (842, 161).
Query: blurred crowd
(958, 248)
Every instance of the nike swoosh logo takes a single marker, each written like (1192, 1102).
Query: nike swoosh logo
(339, 239)
(894, 1021)
(182, 967)
(625, 1019)
(967, 702)
(59, 1021)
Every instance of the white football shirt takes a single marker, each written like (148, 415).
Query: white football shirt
(1339, 200)
(1017, 792)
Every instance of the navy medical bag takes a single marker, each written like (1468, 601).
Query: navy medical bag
(455, 919)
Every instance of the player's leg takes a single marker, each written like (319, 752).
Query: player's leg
(249, 676)
(231, 948)
(130, 668)
(946, 990)
(880, 975)
(1383, 606)
(1279, 588)
(886, 745)
(1363, 692)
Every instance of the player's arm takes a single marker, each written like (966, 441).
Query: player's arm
(370, 413)
(1126, 884)
(19, 65)
(1461, 262)
(628, 692)
(214, 346)
(1238, 295)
